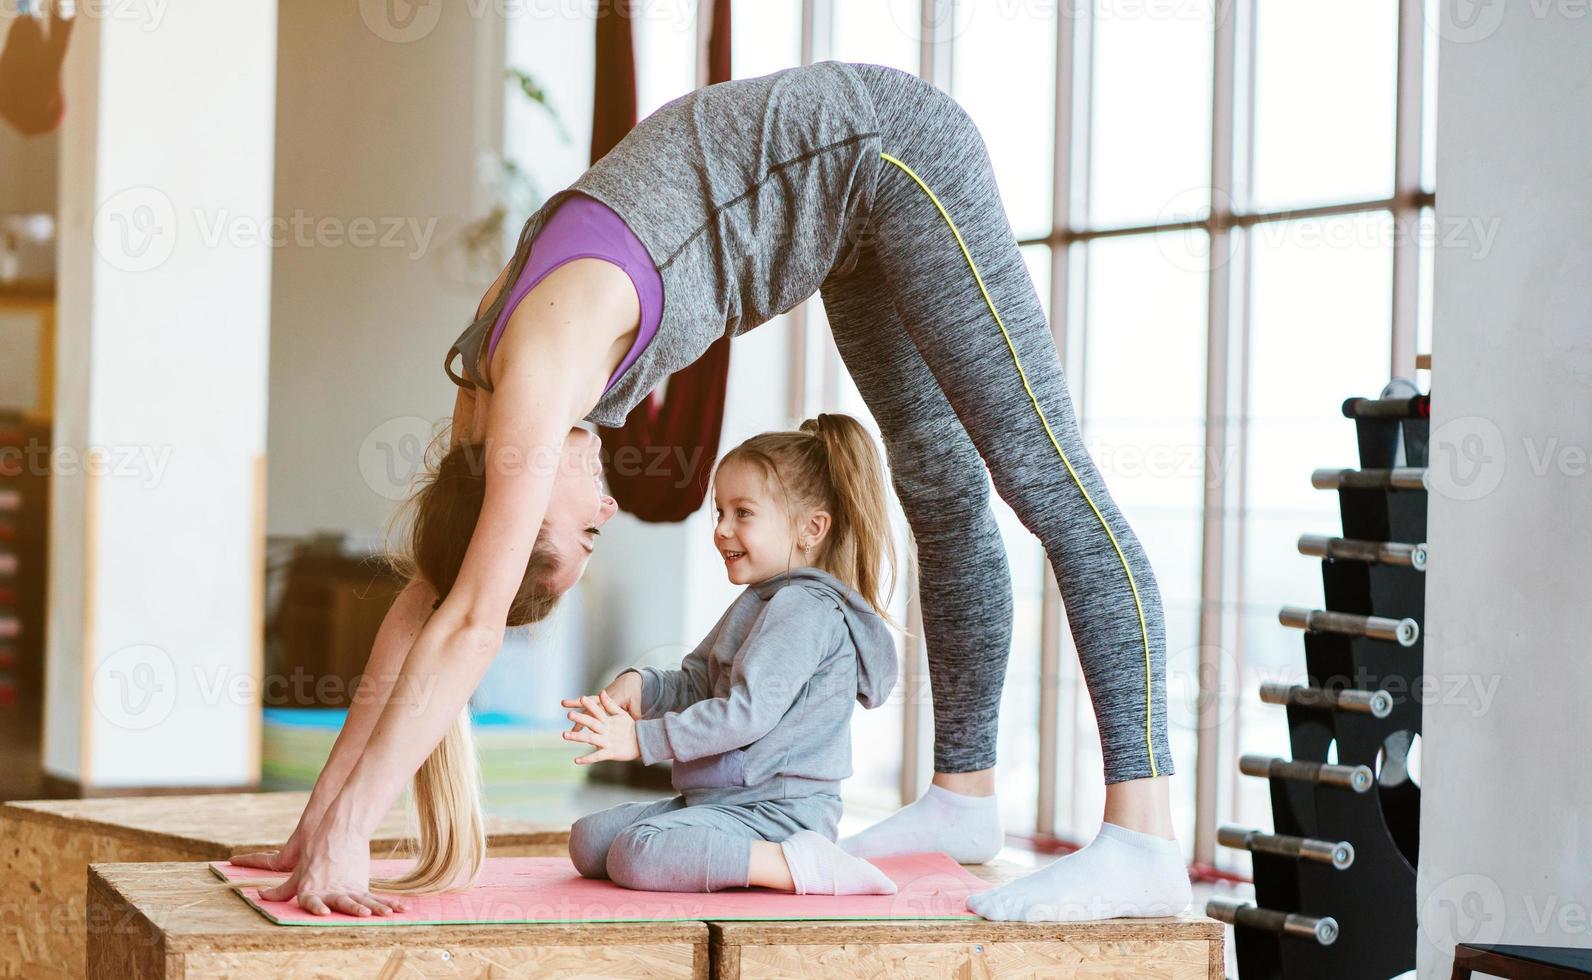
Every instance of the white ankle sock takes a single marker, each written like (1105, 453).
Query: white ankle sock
(819, 867)
(1121, 872)
(968, 828)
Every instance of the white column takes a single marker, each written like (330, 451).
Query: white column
(1506, 781)
(157, 508)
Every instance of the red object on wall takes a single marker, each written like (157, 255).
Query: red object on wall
(658, 462)
(614, 98)
(30, 73)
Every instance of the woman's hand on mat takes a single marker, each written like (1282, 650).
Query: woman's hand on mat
(333, 875)
(284, 860)
(606, 725)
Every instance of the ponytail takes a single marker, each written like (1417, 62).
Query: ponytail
(447, 804)
(831, 463)
(861, 544)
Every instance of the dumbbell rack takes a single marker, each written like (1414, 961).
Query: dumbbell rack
(1335, 881)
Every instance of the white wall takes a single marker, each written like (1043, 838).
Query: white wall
(381, 123)
(156, 519)
(1506, 825)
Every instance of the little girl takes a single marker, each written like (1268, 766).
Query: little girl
(757, 719)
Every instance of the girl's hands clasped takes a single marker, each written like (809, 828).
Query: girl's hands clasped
(606, 725)
(624, 690)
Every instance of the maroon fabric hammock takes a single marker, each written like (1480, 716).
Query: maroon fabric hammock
(659, 461)
(30, 73)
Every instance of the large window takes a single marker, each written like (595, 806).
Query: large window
(1227, 206)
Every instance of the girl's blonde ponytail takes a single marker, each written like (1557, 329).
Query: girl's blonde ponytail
(861, 542)
(832, 464)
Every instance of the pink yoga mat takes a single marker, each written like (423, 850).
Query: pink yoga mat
(548, 889)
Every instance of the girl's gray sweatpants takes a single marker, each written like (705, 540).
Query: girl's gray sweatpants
(669, 846)
(961, 376)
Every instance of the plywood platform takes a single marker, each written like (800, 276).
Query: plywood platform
(1185, 947)
(171, 921)
(149, 921)
(47, 846)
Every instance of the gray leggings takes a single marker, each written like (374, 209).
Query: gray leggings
(671, 847)
(957, 386)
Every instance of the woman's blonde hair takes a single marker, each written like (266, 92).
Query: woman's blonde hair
(832, 464)
(451, 835)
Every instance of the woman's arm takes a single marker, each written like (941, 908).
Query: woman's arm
(399, 628)
(551, 378)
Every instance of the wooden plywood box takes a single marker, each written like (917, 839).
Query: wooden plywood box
(179, 922)
(47, 846)
(1185, 947)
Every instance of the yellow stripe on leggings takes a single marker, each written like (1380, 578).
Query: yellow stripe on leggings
(1016, 362)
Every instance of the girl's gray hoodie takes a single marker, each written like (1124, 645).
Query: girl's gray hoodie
(761, 709)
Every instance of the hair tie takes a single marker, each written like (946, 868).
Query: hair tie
(434, 605)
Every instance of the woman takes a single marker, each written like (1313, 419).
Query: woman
(719, 211)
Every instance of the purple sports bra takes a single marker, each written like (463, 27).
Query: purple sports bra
(584, 227)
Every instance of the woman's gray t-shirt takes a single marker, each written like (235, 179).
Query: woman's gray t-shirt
(746, 194)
